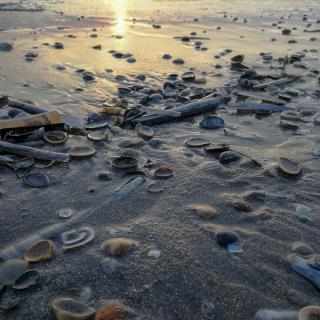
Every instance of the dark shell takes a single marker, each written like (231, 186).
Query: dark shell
(163, 172)
(237, 59)
(28, 279)
(212, 122)
(125, 162)
(229, 156)
(225, 238)
(96, 125)
(216, 148)
(288, 167)
(36, 180)
(197, 142)
(188, 76)
(82, 152)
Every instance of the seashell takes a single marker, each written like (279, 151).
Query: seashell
(82, 152)
(197, 142)
(229, 156)
(314, 261)
(44, 164)
(216, 148)
(155, 187)
(212, 122)
(225, 238)
(309, 313)
(237, 59)
(188, 76)
(125, 162)
(117, 246)
(145, 132)
(28, 279)
(96, 125)
(72, 236)
(36, 180)
(65, 213)
(55, 137)
(163, 172)
(70, 309)
(41, 251)
(285, 124)
(77, 238)
(109, 265)
(21, 172)
(19, 134)
(113, 310)
(288, 167)
(11, 270)
(25, 163)
(85, 294)
(98, 135)
(204, 211)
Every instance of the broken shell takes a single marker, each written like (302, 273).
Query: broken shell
(28, 279)
(197, 142)
(163, 172)
(25, 163)
(212, 122)
(55, 137)
(98, 135)
(145, 132)
(113, 310)
(65, 213)
(288, 167)
(155, 187)
(188, 76)
(290, 115)
(44, 164)
(217, 148)
(117, 246)
(11, 270)
(36, 180)
(308, 313)
(77, 238)
(82, 152)
(229, 156)
(96, 125)
(70, 309)
(41, 251)
(125, 162)
(285, 124)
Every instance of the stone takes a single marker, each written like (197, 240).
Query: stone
(117, 246)
(203, 211)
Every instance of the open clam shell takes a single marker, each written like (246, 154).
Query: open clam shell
(309, 313)
(68, 308)
(77, 238)
(82, 152)
(28, 279)
(96, 125)
(125, 162)
(55, 137)
(100, 135)
(36, 180)
(41, 251)
(163, 172)
(216, 148)
(288, 167)
(145, 132)
(24, 163)
(65, 213)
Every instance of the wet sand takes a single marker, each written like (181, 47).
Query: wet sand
(194, 277)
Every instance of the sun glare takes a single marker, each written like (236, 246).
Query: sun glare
(120, 12)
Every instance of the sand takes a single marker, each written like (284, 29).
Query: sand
(194, 278)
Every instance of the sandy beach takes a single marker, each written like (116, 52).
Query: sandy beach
(210, 210)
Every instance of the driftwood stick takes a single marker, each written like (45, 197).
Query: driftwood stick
(187, 110)
(38, 120)
(17, 250)
(33, 152)
(26, 107)
(253, 106)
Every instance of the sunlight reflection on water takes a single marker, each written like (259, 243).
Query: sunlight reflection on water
(120, 12)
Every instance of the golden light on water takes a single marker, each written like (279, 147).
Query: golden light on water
(120, 12)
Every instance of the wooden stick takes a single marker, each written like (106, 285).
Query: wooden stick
(33, 152)
(38, 120)
(187, 110)
(253, 106)
(17, 250)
